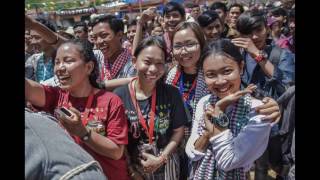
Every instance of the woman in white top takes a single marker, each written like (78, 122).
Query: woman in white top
(228, 135)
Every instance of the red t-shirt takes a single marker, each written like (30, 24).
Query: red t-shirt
(106, 108)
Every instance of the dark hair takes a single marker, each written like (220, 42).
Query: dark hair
(221, 47)
(47, 23)
(174, 6)
(208, 17)
(115, 24)
(81, 24)
(278, 12)
(292, 14)
(236, 5)
(132, 22)
(250, 20)
(150, 41)
(219, 5)
(86, 50)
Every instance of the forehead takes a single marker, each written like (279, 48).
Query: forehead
(79, 28)
(220, 61)
(102, 27)
(132, 27)
(215, 23)
(34, 33)
(152, 52)
(173, 13)
(68, 48)
(235, 9)
(184, 35)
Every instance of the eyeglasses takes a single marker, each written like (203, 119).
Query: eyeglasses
(188, 47)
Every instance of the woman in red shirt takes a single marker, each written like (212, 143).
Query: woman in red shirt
(97, 120)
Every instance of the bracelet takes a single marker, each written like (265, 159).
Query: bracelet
(56, 41)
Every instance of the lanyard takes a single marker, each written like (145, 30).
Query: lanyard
(85, 114)
(149, 131)
(186, 96)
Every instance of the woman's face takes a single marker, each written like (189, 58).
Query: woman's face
(222, 75)
(70, 68)
(186, 48)
(150, 64)
(131, 33)
(214, 30)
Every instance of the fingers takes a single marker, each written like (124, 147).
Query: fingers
(274, 117)
(267, 111)
(268, 102)
(75, 111)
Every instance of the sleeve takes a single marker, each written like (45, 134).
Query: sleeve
(192, 153)
(129, 70)
(52, 97)
(29, 69)
(117, 127)
(285, 71)
(100, 61)
(242, 150)
(178, 116)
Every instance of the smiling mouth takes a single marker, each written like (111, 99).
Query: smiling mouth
(223, 90)
(63, 79)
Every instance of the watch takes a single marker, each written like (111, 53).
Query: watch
(262, 56)
(222, 120)
(86, 136)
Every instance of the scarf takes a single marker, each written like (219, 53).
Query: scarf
(201, 87)
(207, 168)
(111, 73)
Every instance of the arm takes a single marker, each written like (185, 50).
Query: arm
(174, 141)
(242, 150)
(246, 43)
(50, 36)
(104, 146)
(196, 144)
(112, 84)
(146, 15)
(34, 93)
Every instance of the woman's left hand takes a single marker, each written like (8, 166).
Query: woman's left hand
(73, 124)
(270, 109)
(150, 162)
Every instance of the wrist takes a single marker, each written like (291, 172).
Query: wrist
(85, 135)
(260, 56)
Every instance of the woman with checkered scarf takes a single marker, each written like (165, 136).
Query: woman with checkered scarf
(229, 131)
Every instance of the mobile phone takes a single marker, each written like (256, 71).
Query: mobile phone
(63, 112)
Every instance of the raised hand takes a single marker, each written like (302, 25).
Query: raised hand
(148, 15)
(247, 44)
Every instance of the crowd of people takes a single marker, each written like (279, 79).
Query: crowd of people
(193, 92)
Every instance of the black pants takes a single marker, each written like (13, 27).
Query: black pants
(272, 157)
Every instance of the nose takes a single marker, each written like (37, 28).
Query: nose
(254, 36)
(99, 40)
(220, 80)
(153, 68)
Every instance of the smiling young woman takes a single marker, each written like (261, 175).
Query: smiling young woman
(156, 115)
(97, 120)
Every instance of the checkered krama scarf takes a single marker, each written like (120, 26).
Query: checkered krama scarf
(118, 64)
